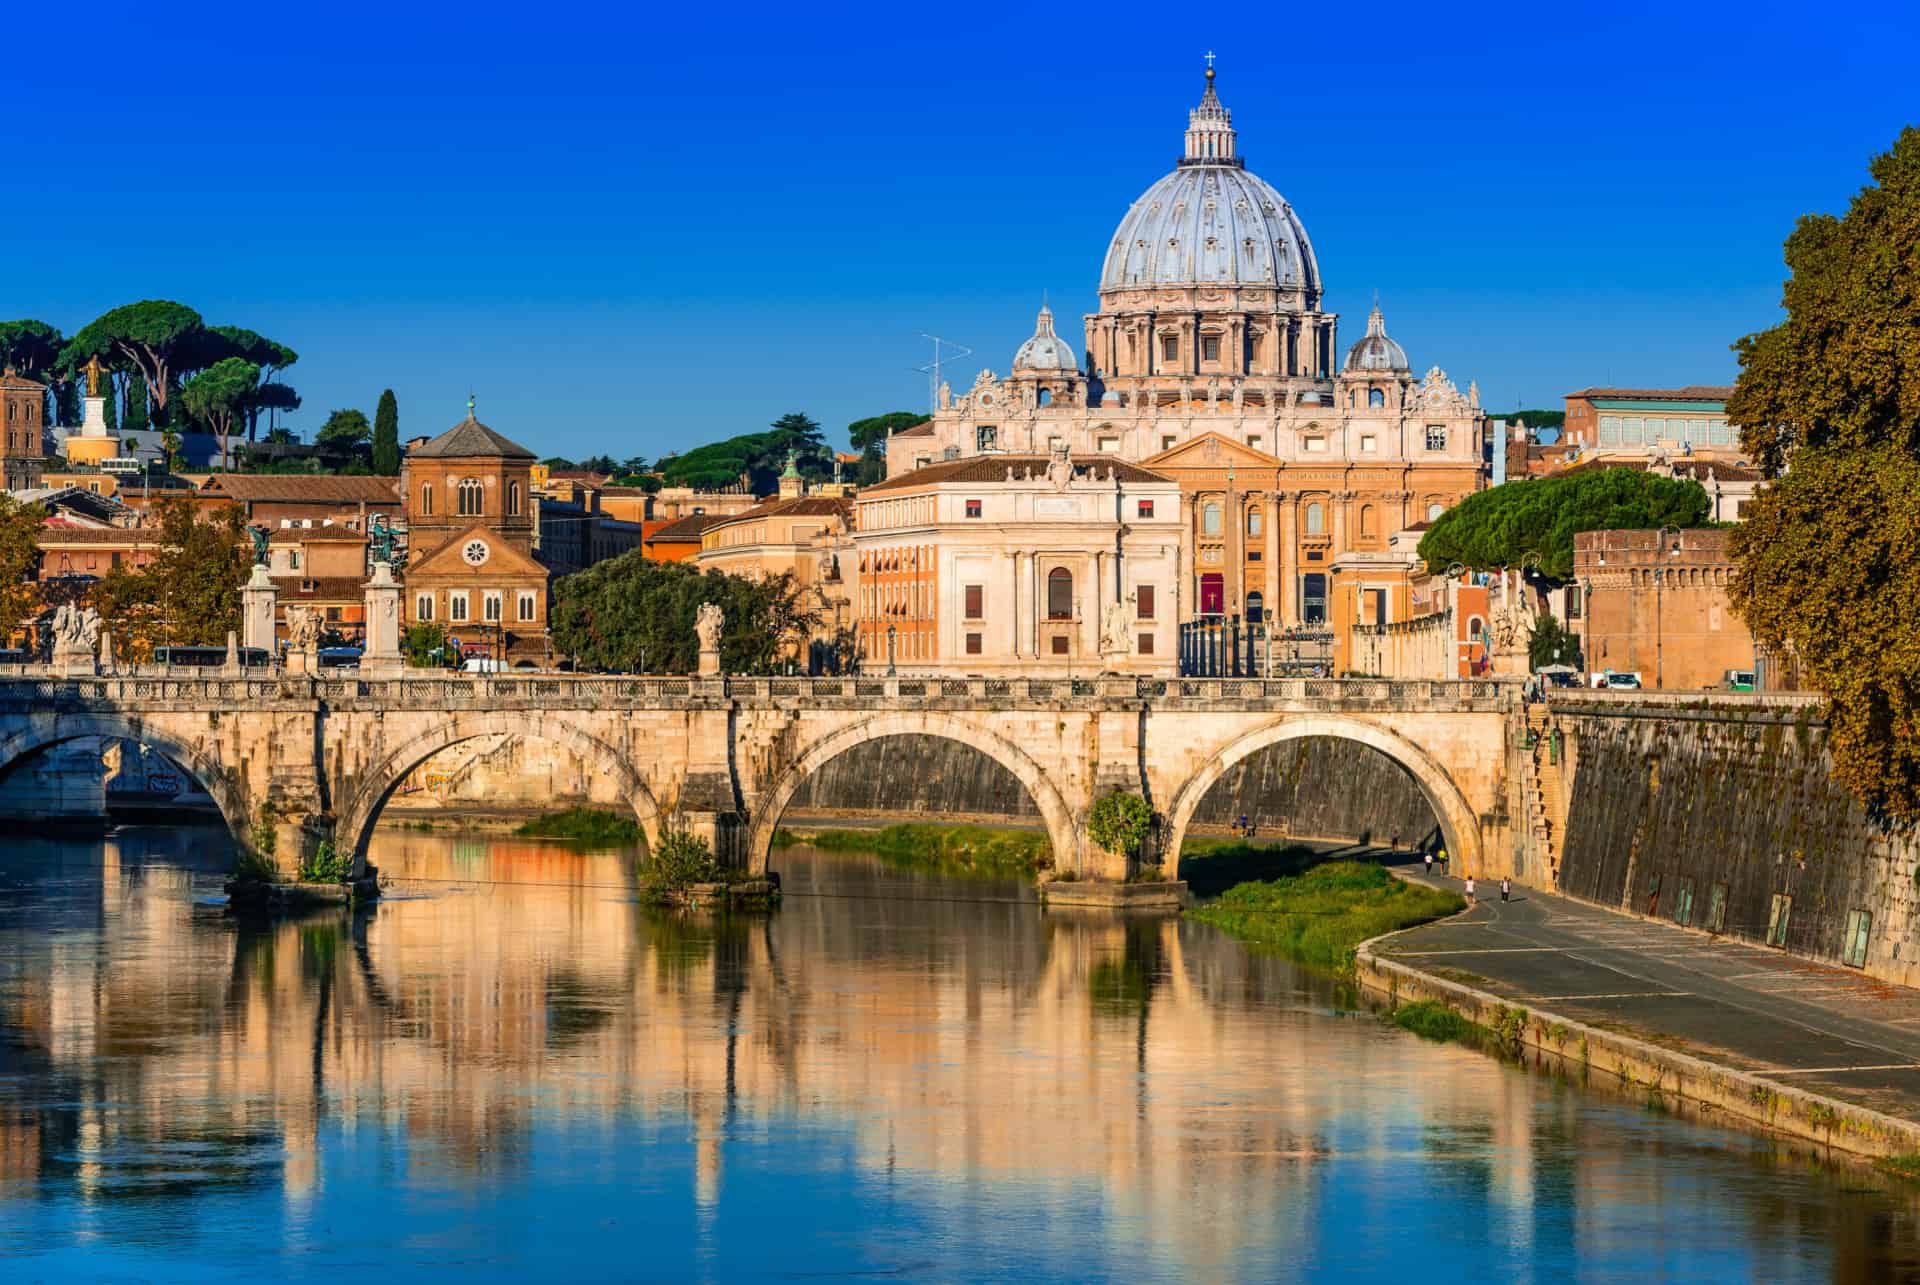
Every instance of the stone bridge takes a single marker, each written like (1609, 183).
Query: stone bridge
(723, 756)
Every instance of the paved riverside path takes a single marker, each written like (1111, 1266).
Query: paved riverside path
(1821, 1028)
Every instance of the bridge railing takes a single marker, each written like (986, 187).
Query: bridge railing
(41, 685)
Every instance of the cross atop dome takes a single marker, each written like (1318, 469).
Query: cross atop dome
(1210, 136)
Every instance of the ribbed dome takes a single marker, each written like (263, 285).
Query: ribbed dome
(1210, 222)
(1375, 351)
(1046, 350)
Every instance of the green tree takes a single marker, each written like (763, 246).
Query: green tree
(1501, 526)
(170, 443)
(155, 337)
(32, 348)
(864, 433)
(425, 645)
(218, 396)
(1120, 822)
(344, 428)
(627, 610)
(138, 417)
(1826, 570)
(386, 435)
(266, 398)
(1551, 643)
(20, 526)
(190, 593)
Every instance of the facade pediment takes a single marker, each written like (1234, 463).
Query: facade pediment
(1212, 450)
(503, 558)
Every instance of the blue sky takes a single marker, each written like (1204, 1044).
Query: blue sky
(629, 229)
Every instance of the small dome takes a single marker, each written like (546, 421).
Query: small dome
(1046, 351)
(1375, 352)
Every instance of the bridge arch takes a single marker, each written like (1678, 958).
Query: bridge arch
(390, 766)
(1459, 826)
(1062, 833)
(45, 730)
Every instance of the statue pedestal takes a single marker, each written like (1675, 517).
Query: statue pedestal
(710, 663)
(303, 660)
(74, 662)
(380, 653)
(258, 600)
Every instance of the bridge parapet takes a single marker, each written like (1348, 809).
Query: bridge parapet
(29, 689)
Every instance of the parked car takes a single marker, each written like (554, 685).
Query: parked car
(483, 665)
(1558, 676)
(1740, 680)
(1617, 682)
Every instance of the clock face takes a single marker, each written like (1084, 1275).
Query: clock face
(475, 552)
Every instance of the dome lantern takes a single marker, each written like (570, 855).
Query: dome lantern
(1210, 136)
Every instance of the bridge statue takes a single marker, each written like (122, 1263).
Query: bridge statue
(76, 636)
(707, 623)
(1113, 630)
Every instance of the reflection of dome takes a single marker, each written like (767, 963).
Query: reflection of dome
(1046, 350)
(1376, 352)
(1210, 222)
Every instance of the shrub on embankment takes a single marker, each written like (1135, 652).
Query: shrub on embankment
(1319, 918)
(584, 825)
(945, 848)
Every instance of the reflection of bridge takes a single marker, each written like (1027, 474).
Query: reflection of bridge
(725, 755)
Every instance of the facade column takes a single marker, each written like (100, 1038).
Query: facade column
(1288, 502)
(1275, 552)
(1187, 591)
(1235, 552)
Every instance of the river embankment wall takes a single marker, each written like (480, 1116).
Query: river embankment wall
(1723, 815)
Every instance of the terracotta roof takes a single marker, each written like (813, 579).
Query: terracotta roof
(348, 587)
(993, 468)
(134, 536)
(470, 439)
(1691, 393)
(1717, 471)
(918, 430)
(686, 530)
(303, 488)
(314, 535)
(797, 507)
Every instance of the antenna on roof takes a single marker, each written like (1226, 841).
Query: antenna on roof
(932, 369)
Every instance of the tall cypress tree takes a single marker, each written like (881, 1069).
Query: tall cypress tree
(136, 418)
(386, 436)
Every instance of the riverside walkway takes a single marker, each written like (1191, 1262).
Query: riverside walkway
(1816, 1027)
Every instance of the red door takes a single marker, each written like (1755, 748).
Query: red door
(1213, 594)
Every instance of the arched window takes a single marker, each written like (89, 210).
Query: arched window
(1366, 519)
(1316, 519)
(513, 499)
(469, 497)
(1376, 397)
(1434, 510)
(1044, 396)
(1059, 594)
(1474, 626)
(1210, 518)
(426, 499)
(1256, 608)
(1254, 523)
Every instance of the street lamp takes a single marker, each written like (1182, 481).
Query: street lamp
(891, 671)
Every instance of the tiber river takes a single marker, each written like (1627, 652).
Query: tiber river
(509, 1070)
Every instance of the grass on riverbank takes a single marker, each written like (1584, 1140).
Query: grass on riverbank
(948, 849)
(1432, 1020)
(1320, 917)
(1211, 866)
(584, 825)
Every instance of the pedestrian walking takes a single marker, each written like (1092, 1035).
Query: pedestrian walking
(1429, 857)
(1470, 899)
(1506, 888)
(1443, 861)
(1242, 827)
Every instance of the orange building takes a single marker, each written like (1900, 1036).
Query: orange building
(22, 450)
(1656, 606)
(677, 540)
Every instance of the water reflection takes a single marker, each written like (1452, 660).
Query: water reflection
(511, 1062)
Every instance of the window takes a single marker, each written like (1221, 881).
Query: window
(1043, 396)
(1434, 510)
(1474, 626)
(1108, 445)
(1143, 602)
(1316, 519)
(1254, 522)
(986, 437)
(1210, 348)
(1777, 920)
(976, 596)
(1256, 442)
(1376, 397)
(1609, 430)
(1436, 437)
(1054, 444)
(1256, 608)
(1210, 518)
(529, 605)
(1168, 441)
(1368, 442)
(973, 508)
(1059, 645)
(1859, 927)
(1144, 509)
(426, 499)
(1313, 598)
(293, 559)
(1375, 608)
(457, 605)
(1318, 444)
(423, 607)
(1575, 595)
(919, 461)
(333, 615)
(1145, 647)
(1366, 520)
(1059, 594)
(950, 453)
(470, 501)
(1170, 348)
(973, 644)
(491, 608)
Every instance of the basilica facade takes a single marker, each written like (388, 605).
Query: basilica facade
(1212, 360)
